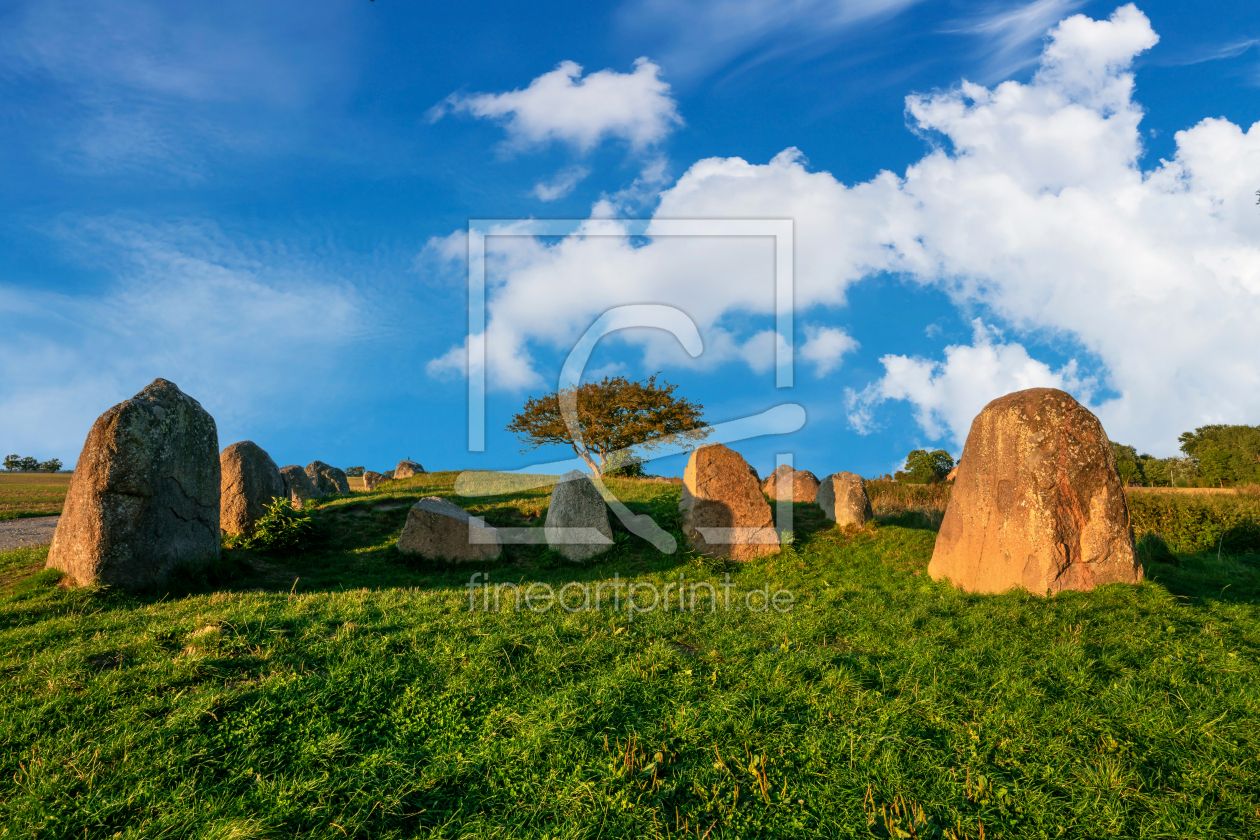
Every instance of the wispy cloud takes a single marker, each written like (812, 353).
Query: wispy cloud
(245, 326)
(699, 36)
(1010, 37)
(156, 85)
(561, 185)
(1212, 52)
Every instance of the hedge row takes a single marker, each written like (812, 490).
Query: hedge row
(1193, 523)
(1186, 522)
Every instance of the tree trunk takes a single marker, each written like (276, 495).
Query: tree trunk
(586, 458)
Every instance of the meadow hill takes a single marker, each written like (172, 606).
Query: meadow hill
(212, 640)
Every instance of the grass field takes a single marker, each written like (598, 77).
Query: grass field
(351, 692)
(32, 494)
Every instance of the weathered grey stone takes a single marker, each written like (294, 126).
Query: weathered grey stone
(723, 511)
(250, 481)
(407, 468)
(327, 479)
(577, 518)
(803, 482)
(144, 498)
(440, 530)
(842, 497)
(1037, 502)
(298, 485)
(371, 479)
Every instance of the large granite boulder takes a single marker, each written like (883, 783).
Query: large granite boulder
(577, 518)
(804, 485)
(722, 510)
(371, 479)
(251, 480)
(842, 497)
(440, 530)
(144, 498)
(407, 468)
(1037, 502)
(298, 485)
(327, 479)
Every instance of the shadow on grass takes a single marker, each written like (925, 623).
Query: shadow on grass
(1206, 577)
(355, 548)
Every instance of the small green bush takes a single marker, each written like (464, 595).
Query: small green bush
(631, 469)
(282, 529)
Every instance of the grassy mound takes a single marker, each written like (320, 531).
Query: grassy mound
(351, 692)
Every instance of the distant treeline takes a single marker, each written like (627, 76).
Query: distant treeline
(1214, 456)
(18, 463)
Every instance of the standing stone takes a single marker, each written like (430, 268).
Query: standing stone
(722, 510)
(842, 497)
(371, 479)
(298, 485)
(439, 530)
(804, 484)
(407, 468)
(250, 481)
(1037, 502)
(327, 479)
(144, 498)
(577, 518)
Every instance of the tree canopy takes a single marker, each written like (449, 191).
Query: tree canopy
(613, 415)
(923, 467)
(1225, 454)
(1126, 462)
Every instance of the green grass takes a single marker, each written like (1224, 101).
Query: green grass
(32, 494)
(350, 692)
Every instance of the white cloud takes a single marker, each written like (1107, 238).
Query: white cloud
(825, 347)
(561, 185)
(1036, 211)
(510, 365)
(446, 249)
(562, 106)
(948, 395)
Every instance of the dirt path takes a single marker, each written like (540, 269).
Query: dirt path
(23, 533)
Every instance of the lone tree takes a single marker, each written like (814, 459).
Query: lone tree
(612, 416)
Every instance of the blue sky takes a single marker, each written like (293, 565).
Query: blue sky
(264, 204)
